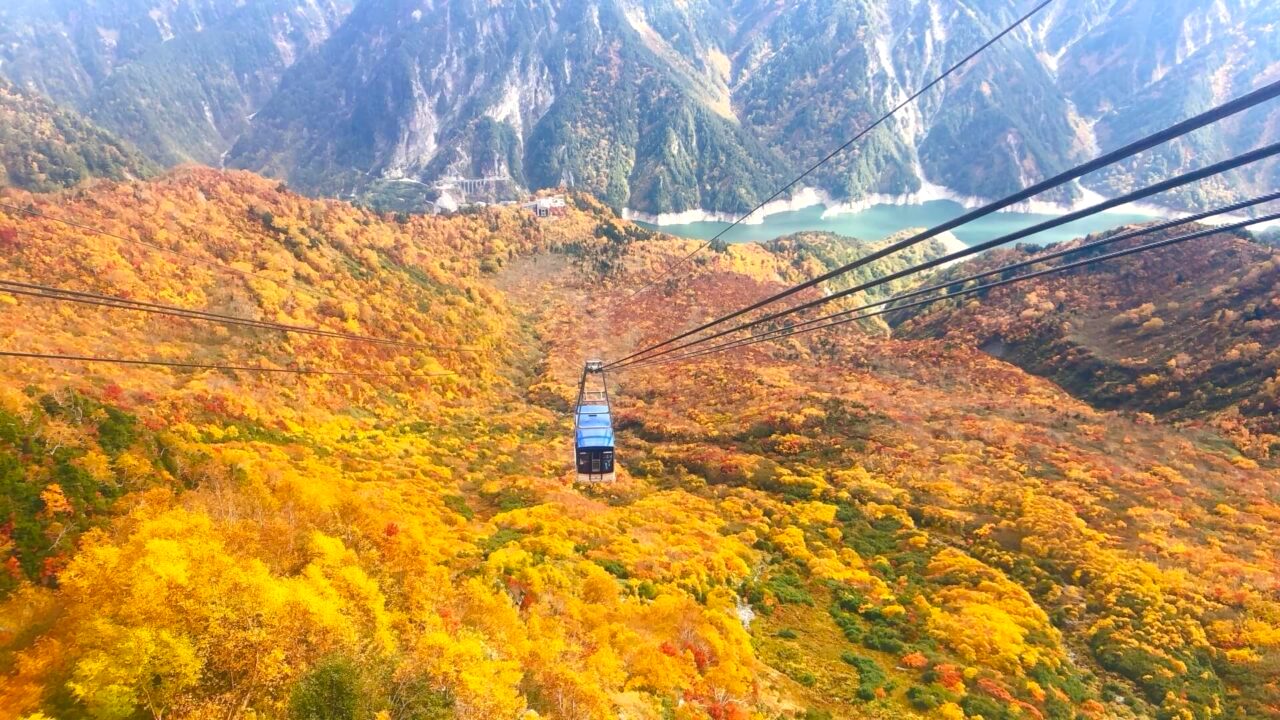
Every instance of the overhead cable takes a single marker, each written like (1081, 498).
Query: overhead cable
(1204, 119)
(95, 299)
(861, 133)
(988, 286)
(206, 366)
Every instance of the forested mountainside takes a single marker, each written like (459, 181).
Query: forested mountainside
(44, 147)
(659, 106)
(1221, 49)
(179, 79)
(541, 94)
(850, 526)
(654, 105)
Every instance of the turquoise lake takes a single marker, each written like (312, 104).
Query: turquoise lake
(880, 221)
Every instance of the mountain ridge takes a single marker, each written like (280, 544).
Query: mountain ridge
(791, 89)
(178, 80)
(661, 108)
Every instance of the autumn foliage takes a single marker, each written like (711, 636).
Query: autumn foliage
(847, 526)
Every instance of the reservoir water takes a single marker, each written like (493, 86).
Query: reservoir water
(880, 221)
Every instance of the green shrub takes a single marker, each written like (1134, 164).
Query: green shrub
(117, 431)
(500, 538)
(870, 675)
(458, 504)
(614, 568)
(987, 707)
(788, 589)
(883, 639)
(331, 691)
(924, 697)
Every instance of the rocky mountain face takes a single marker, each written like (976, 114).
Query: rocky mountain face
(539, 94)
(661, 106)
(180, 79)
(1132, 67)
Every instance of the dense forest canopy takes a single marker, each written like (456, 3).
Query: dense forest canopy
(43, 147)
(849, 526)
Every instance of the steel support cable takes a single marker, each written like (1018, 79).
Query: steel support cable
(1110, 240)
(203, 366)
(1208, 117)
(1163, 186)
(86, 298)
(988, 286)
(861, 133)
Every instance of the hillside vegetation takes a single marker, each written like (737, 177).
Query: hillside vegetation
(853, 527)
(178, 79)
(1190, 332)
(43, 147)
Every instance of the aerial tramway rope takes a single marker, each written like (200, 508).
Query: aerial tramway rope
(861, 133)
(47, 292)
(791, 329)
(1186, 126)
(176, 253)
(210, 366)
(848, 316)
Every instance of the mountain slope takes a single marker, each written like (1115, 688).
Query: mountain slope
(709, 104)
(984, 459)
(658, 106)
(44, 147)
(1152, 64)
(852, 527)
(805, 88)
(179, 80)
(539, 94)
(1187, 332)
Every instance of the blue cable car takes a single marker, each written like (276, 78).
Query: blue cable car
(593, 428)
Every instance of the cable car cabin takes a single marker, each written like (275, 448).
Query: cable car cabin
(594, 444)
(593, 429)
